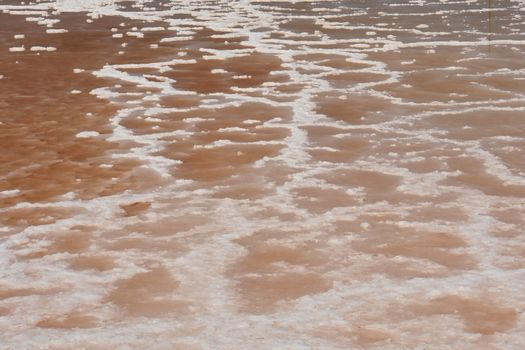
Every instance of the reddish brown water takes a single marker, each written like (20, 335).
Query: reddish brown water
(262, 174)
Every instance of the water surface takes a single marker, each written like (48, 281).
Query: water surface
(262, 174)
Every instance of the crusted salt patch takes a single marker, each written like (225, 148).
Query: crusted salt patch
(56, 31)
(87, 134)
(251, 121)
(232, 129)
(244, 76)
(176, 38)
(43, 48)
(135, 34)
(151, 119)
(451, 43)
(152, 29)
(26, 12)
(80, 5)
(9, 193)
(194, 120)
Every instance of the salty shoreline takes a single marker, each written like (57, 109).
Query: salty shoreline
(262, 174)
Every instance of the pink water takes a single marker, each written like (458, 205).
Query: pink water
(262, 174)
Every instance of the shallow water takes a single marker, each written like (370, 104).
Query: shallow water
(262, 174)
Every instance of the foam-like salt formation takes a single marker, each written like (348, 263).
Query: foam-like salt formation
(343, 166)
(56, 31)
(43, 48)
(85, 134)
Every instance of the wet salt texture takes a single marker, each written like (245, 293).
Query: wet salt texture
(262, 174)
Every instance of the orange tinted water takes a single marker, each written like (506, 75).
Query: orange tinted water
(262, 174)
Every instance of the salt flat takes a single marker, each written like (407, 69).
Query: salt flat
(262, 174)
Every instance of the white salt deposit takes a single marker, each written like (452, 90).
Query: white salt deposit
(87, 134)
(359, 166)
